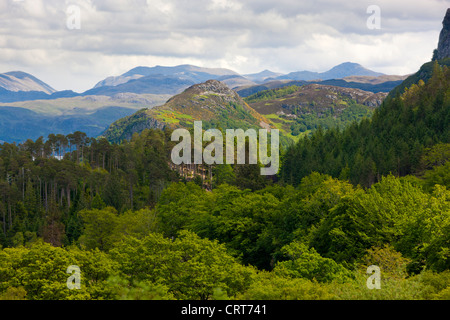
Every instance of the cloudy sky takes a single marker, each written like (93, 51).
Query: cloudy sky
(74, 44)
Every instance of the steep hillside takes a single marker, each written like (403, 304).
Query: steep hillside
(423, 74)
(441, 55)
(211, 102)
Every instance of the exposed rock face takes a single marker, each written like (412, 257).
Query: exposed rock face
(443, 50)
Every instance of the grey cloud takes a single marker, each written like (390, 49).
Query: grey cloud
(285, 35)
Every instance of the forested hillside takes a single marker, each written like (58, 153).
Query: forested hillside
(299, 110)
(401, 131)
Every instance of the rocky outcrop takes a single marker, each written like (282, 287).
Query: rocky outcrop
(443, 50)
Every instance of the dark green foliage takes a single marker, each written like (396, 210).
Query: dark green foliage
(43, 195)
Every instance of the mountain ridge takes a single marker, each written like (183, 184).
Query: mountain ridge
(211, 102)
(337, 72)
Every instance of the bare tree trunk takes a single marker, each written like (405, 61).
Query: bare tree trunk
(4, 220)
(131, 195)
(210, 177)
(10, 215)
(202, 172)
(46, 196)
(23, 184)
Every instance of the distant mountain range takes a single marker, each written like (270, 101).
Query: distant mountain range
(145, 87)
(343, 70)
(20, 86)
(295, 110)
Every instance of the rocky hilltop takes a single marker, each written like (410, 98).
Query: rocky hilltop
(211, 102)
(443, 50)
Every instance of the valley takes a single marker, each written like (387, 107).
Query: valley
(144, 88)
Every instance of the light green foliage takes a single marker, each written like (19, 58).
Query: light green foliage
(270, 286)
(392, 211)
(40, 272)
(142, 290)
(179, 205)
(190, 267)
(437, 175)
(223, 173)
(391, 289)
(391, 263)
(304, 262)
(103, 228)
(99, 228)
(13, 293)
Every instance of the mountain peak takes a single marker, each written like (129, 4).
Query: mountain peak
(211, 102)
(212, 86)
(443, 50)
(340, 71)
(16, 81)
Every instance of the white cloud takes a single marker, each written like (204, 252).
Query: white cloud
(246, 36)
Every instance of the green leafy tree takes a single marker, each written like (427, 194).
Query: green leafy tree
(100, 228)
(190, 267)
(304, 262)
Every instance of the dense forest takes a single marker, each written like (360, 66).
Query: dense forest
(375, 193)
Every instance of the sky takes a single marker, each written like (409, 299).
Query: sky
(73, 44)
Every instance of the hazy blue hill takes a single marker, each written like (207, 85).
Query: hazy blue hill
(13, 96)
(185, 72)
(375, 88)
(262, 76)
(152, 84)
(387, 86)
(348, 69)
(345, 69)
(19, 124)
